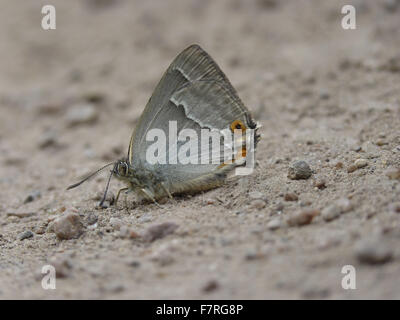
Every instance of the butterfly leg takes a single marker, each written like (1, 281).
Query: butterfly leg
(166, 190)
(126, 199)
(150, 196)
(119, 192)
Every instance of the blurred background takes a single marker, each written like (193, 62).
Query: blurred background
(111, 53)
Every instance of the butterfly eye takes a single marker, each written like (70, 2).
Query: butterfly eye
(122, 169)
(238, 125)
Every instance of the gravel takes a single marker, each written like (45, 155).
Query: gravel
(257, 204)
(25, 235)
(393, 173)
(302, 217)
(254, 195)
(344, 204)
(361, 163)
(330, 212)
(33, 196)
(299, 170)
(67, 226)
(159, 231)
(274, 224)
(334, 210)
(116, 223)
(48, 139)
(291, 197)
(81, 114)
(62, 264)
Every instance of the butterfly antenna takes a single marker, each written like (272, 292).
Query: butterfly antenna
(89, 176)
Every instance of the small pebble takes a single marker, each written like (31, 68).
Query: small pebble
(114, 287)
(315, 293)
(21, 214)
(299, 170)
(40, 228)
(134, 263)
(116, 223)
(274, 224)
(360, 163)
(147, 217)
(392, 64)
(14, 159)
(49, 108)
(331, 212)
(320, 183)
(256, 195)
(257, 204)
(339, 165)
(324, 95)
(163, 255)
(254, 255)
(393, 173)
(210, 286)
(159, 231)
(291, 197)
(371, 150)
(210, 201)
(395, 207)
(328, 242)
(373, 251)
(91, 218)
(47, 139)
(344, 205)
(302, 217)
(279, 206)
(351, 168)
(381, 143)
(63, 266)
(81, 114)
(305, 202)
(33, 196)
(128, 233)
(391, 5)
(25, 235)
(94, 96)
(67, 226)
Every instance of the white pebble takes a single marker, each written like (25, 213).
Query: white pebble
(331, 212)
(81, 114)
(274, 224)
(116, 223)
(361, 163)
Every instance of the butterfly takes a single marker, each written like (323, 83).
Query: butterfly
(195, 97)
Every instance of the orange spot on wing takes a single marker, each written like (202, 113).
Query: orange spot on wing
(238, 125)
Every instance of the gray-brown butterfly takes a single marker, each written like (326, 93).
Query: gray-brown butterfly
(194, 97)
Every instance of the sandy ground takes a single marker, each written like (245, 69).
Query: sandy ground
(323, 94)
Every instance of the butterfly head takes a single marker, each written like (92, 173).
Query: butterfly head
(122, 169)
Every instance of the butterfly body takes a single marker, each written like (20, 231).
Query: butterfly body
(151, 184)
